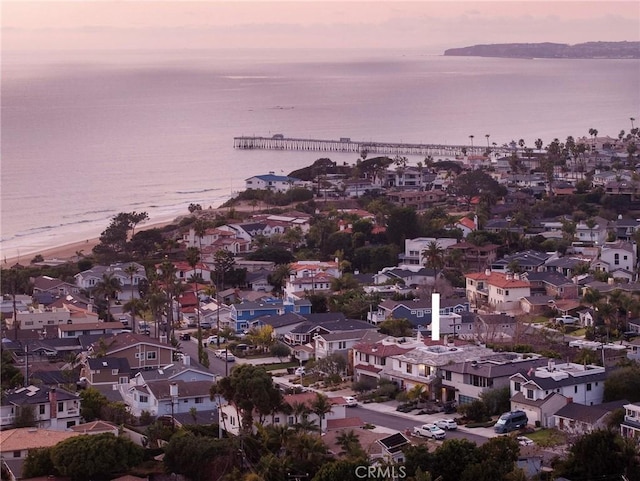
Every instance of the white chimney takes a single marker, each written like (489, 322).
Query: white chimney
(435, 316)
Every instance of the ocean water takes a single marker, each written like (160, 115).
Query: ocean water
(90, 134)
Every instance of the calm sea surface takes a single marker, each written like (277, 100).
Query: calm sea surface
(90, 135)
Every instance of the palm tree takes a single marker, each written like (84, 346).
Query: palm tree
(168, 275)
(193, 257)
(471, 139)
(321, 406)
(299, 409)
(632, 121)
(131, 270)
(350, 444)
(434, 256)
(108, 288)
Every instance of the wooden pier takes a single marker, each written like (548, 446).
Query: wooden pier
(345, 144)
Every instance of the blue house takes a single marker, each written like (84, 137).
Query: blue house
(244, 312)
(418, 311)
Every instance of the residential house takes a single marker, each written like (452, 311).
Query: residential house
(465, 381)
(471, 256)
(327, 344)
(91, 278)
(418, 199)
(602, 178)
(270, 181)
(259, 280)
(587, 317)
(243, 313)
(40, 318)
(168, 398)
(535, 391)
(393, 448)
(592, 232)
(414, 250)
(141, 351)
(102, 328)
(466, 225)
(53, 286)
(630, 427)
(422, 364)
(54, 408)
(494, 328)
(16, 444)
(527, 261)
(409, 276)
(231, 419)
(501, 292)
(310, 276)
(371, 357)
(355, 188)
(566, 266)
(215, 239)
(626, 229)
(578, 419)
(106, 371)
(551, 283)
(454, 314)
(502, 224)
(618, 256)
(329, 323)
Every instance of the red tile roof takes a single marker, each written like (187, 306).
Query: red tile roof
(354, 422)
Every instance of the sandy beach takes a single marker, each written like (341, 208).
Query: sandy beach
(71, 251)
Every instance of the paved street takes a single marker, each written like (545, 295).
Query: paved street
(378, 414)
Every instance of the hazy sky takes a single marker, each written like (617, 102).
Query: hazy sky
(432, 25)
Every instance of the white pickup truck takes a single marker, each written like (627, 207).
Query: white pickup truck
(566, 320)
(429, 431)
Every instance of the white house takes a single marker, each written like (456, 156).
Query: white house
(231, 420)
(618, 255)
(90, 278)
(279, 183)
(630, 428)
(596, 234)
(414, 248)
(53, 408)
(502, 292)
(582, 384)
(168, 397)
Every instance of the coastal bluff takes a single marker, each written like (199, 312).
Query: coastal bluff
(588, 50)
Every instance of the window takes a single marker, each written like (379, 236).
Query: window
(506, 293)
(575, 389)
(114, 372)
(199, 400)
(123, 380)
(342, 345)
(151, 355)
(144, 398)
(60, 406)
(16, 454)
(276, 419)
(70, 424)
(529, 393)
(447, 375)
(616, 259)
(291, 421)
(589, 387)
(42, 409)
(408, 368)
(517, 386)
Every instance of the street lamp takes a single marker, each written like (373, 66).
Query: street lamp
(173, 392)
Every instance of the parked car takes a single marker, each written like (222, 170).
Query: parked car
(205, 325)
(300, 371)
(214, 340)
(229, 357)
(219, 352)
(447, 424)
(511, 421)
(429, 431)
(566, 320)
(185, 336)
(351, 401)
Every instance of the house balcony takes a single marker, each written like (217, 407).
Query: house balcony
(376, 317)
(7, 420)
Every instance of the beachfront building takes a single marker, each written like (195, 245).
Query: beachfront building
(129, 281)
(271, 181)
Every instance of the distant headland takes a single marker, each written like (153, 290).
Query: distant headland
(605, 50)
